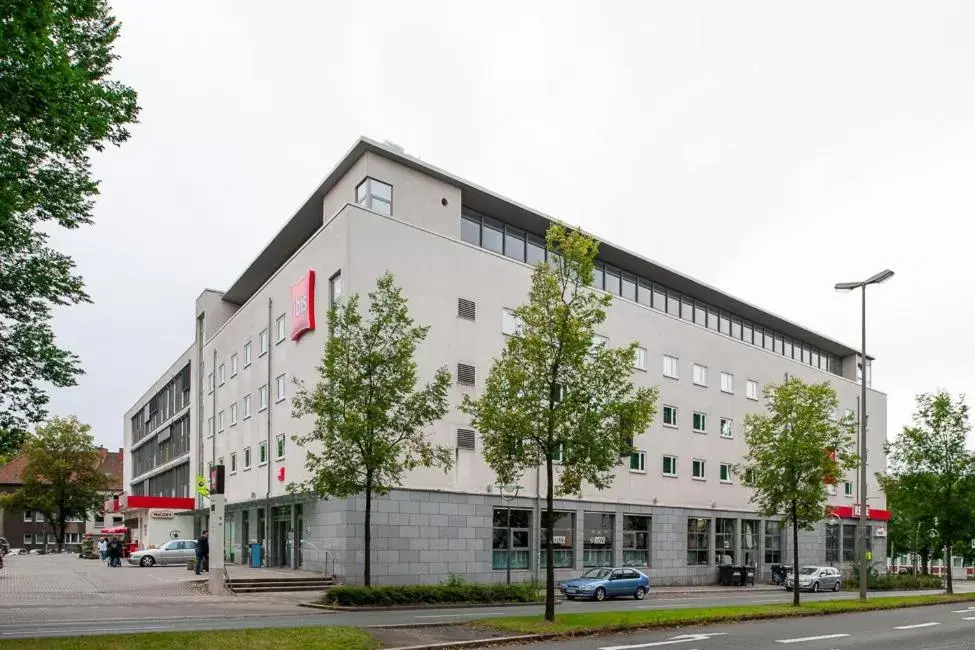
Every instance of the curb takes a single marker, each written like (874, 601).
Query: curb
(479, 643)
(419, 606)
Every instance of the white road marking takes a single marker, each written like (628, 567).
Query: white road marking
(812, 638)
(683, 638)
(964, 611)
(968, 618)
(914, 627)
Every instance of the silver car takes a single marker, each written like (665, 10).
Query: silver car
(817, 578)
(175, 551)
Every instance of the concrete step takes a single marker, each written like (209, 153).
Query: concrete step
(255, 582)
(275, 589)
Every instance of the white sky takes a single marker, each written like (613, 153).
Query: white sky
(766, 148)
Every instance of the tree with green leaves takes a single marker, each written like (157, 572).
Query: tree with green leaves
(369, 414)
(932, 463)
(794, 449)
(62, 478)
(58, 103)
(557, 392)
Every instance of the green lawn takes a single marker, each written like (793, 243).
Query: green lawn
(649, 618)
(319, 638)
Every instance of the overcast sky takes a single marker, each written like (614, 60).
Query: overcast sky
(765, 148)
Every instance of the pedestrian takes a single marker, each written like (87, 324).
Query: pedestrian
(203, 553)
(115, 552)
(103, 549)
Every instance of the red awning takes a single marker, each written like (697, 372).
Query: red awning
(117, 530)
(132, 502)
(851, 512)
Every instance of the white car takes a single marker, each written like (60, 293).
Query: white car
(175, 551)
(817, 578)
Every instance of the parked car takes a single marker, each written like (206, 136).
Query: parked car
(4, 546)
(603, 583)
(175, 551)
(18, 551)
(816, 578)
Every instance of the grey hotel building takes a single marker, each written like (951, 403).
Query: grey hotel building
(463, 256)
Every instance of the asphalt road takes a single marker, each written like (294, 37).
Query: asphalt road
(67, 619)
(928, 628)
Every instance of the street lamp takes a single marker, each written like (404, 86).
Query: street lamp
(884, 275)
(509, 492)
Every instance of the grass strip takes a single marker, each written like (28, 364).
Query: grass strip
(596, 622)
(320, 638)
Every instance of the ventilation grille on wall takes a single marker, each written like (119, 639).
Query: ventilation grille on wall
(466, 308)
(465, 438)
(465, 374)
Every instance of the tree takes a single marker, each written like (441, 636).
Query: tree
(793, 450)
(369, 415)
(57, 104)
(61, 479)
(11, 442)
(558, 392)
(932, 462)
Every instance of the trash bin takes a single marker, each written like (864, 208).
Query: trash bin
(749, 575)
(724, 574)
(256, 555)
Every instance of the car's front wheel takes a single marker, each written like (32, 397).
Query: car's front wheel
(836, 586)
(147, 561)
(600, 594)
(641, 593)
(815, 587)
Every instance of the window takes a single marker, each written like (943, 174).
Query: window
(849, 542)
(700, 375)
(848, 489)
(100, 519)
(598, 529)
(262, 342)
(697, 470)
(599, 341)
(636, 540)
(247, 406)
(28, 539)
(233, 462)
(511, 325)
(773, 542)
(211, 427)
(247, 354)
(279, 388)
(28, 516)
(670, 367)
(727, 382)
(751, 389)
(233, 414)
(628, 288)
(640, 359)
(727, 428)
(749, 541)
(724, 541)
(375, 195)
(724, 472)
(670, 416)
(670, 466)
(849, 414)
(222, 374)
(233, 365)
(534, 250)
(38, 517)
(700, 422)
(563, 536)
(334, 289)
(279, 328)
(470, 230)
(262, 398)
(247, 458)
(511, 543)
(210, 383)
(221, 423)
(279, 447)
(831, 489)
(638, 461)
(559, 454)
(262, 453)
(698, 541)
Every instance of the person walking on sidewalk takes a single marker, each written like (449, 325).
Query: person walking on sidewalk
(103, 549)
(203, 553)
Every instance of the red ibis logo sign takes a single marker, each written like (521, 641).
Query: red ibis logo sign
(303, 306)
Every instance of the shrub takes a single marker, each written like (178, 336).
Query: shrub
(893, 581)
(454, 591)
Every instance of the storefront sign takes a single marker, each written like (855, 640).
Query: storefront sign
(558, 539)
(597, 540)
(303, 306)
(161, 514)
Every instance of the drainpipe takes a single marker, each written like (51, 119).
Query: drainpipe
(267, 448)
(213, 440)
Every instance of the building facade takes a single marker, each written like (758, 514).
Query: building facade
(463, 257)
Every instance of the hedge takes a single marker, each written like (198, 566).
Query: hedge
(894, 581)
(431, 594)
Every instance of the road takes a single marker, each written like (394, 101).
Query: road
(928, 628)
(63, 619)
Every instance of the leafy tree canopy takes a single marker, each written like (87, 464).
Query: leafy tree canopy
(57, 104)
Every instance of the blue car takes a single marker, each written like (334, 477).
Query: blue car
(603, 583)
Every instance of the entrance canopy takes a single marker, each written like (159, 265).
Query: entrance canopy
(126, 502)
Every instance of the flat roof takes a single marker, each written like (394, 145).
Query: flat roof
(308, 219)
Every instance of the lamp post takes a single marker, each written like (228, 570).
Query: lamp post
(508, 492)
(862, 524)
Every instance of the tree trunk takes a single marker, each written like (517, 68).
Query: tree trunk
(949, 587)
(795, 556)
(549, 553)
(925, 557)
(367, 565)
